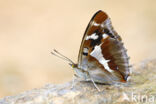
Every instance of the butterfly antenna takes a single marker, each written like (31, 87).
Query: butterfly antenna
(63, 56)
(58, 54)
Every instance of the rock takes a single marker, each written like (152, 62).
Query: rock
(141, 89)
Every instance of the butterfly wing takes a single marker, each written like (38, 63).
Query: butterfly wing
(102, 52)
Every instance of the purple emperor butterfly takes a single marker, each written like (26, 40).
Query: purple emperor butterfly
(102, 57)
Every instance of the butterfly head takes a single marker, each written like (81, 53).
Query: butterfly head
(73, 65)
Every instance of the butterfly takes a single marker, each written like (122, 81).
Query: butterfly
(102, 56)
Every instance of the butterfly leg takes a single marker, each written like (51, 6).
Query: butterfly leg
(93, 82)
(95, 85)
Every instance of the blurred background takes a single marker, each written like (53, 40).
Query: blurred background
(30, 29)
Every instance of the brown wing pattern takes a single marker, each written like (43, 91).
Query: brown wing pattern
(102, 49)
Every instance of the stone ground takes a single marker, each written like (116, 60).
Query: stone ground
(140, 90)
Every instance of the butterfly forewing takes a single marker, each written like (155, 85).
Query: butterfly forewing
(102, 52)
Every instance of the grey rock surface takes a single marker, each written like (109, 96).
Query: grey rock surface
(140, 90)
